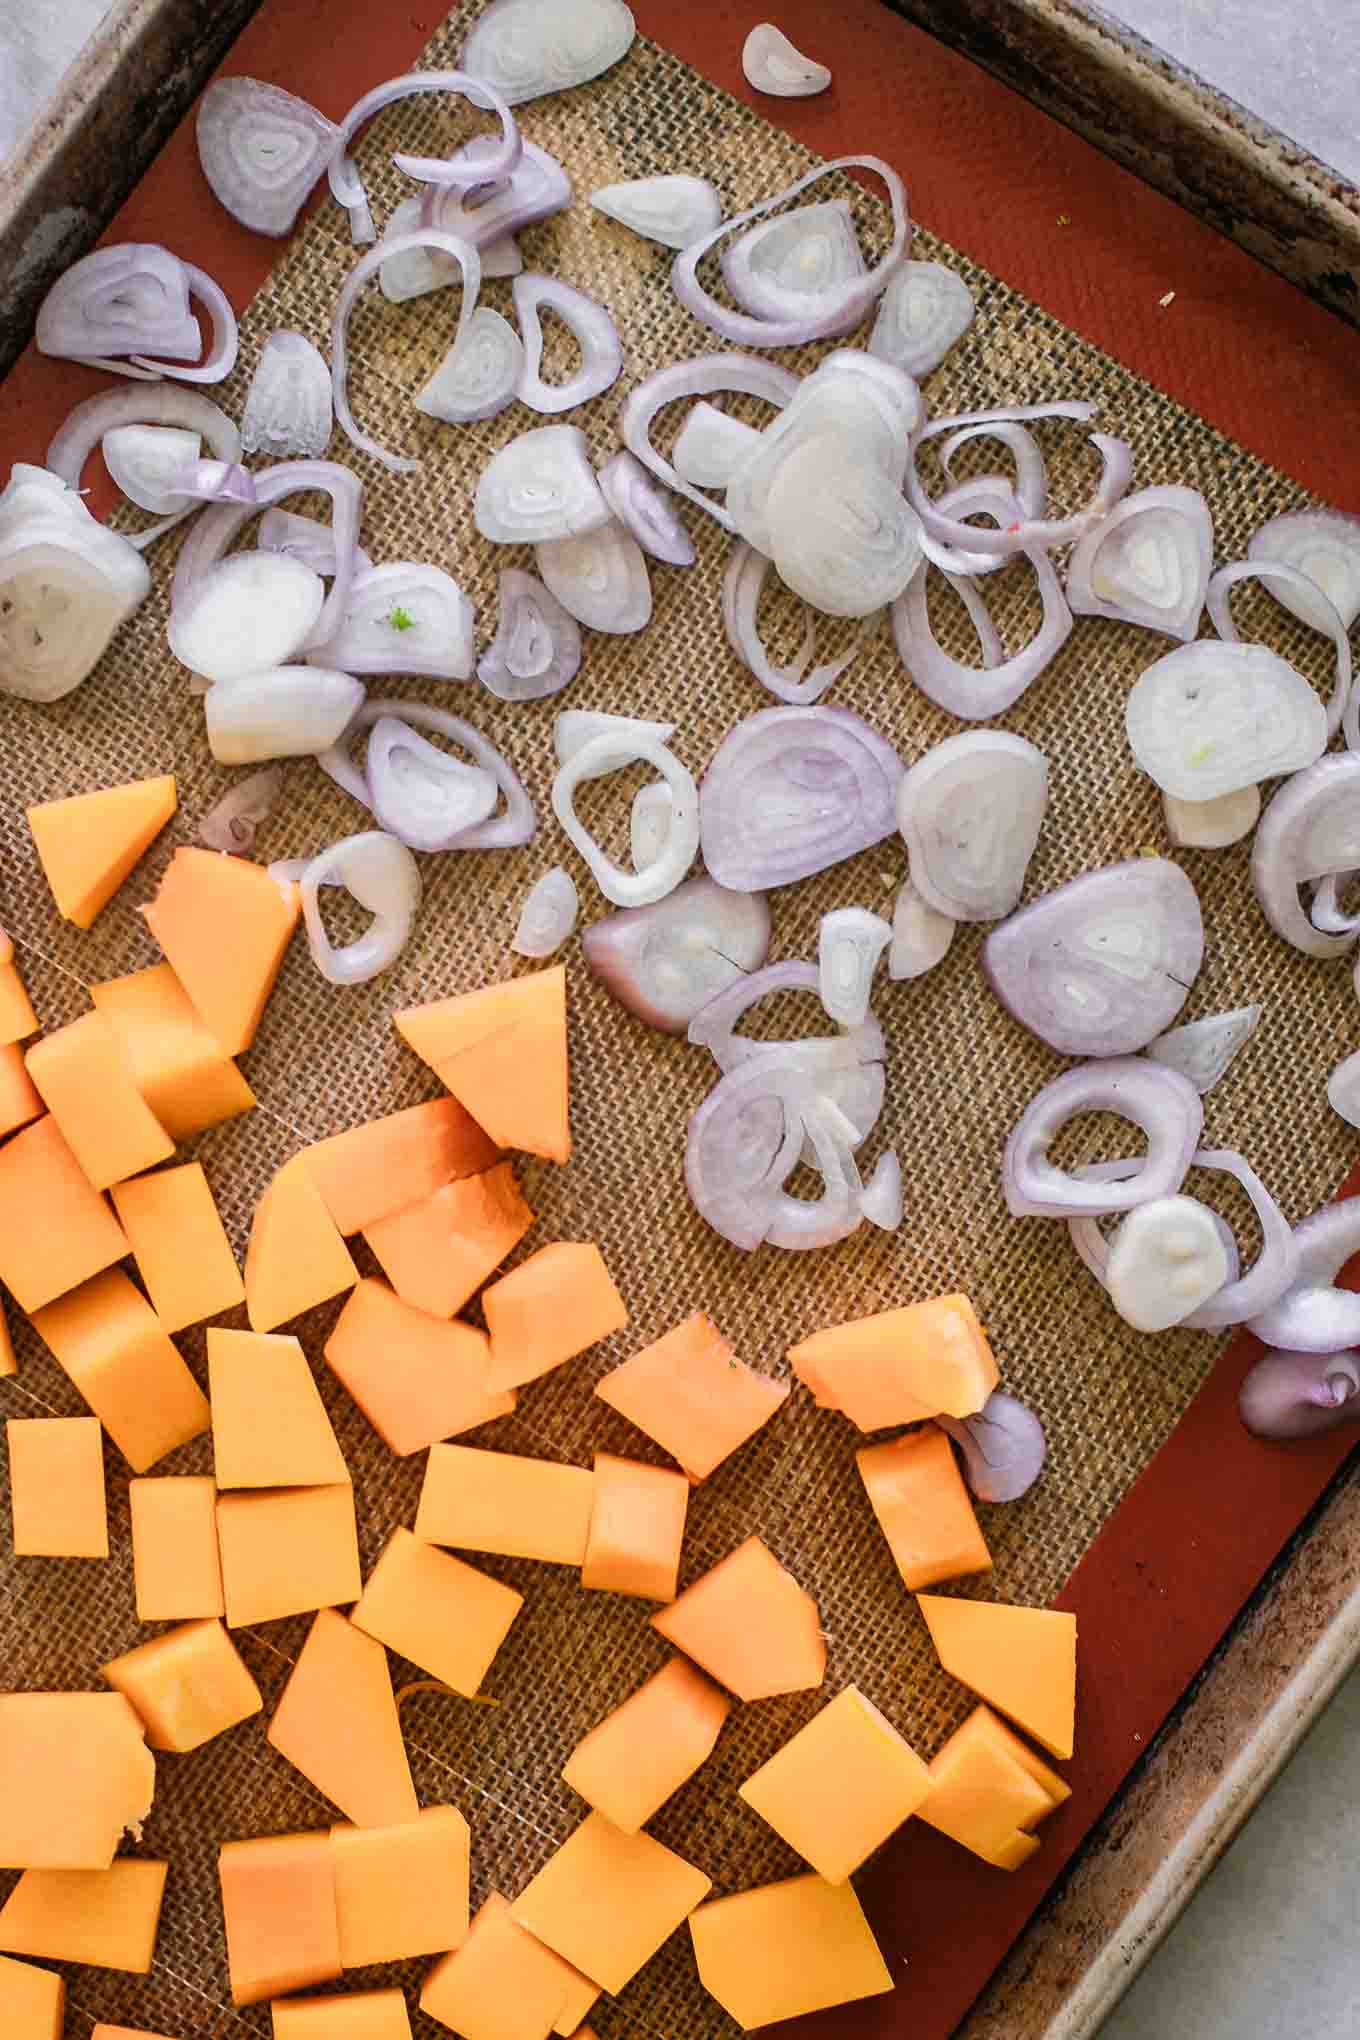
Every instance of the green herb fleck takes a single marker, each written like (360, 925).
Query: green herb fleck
(402, 619)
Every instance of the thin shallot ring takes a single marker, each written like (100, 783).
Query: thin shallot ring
(1273, 1270)
(1341, 706)
(977, 694)
(749, 1216)
(743, 584)
(1275, 870)
(382, 942)
(219, 525)
(82, 429)
(602, 755)
(220, 359)
(506, 831)
(470, 265)
(1116, 473)
(1093, 1249)
(1314, 1315)
(345, 182)
(705, 376)
(1164, 1104)
(713, 1026)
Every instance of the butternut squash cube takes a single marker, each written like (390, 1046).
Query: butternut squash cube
(278, 1904)
(840, 1787)
(503, 1984)
(19, 1100)
(901, 1366)
(34, 2001)
(497, 1502)
(86, 1083)
(370, 1172)
(692, 1396)
(295, 1257)
(187, 1686)
(270, 1428)
(750, 1625)
(8, 1363)
(637, 1529)
(55, 1229)
(175, 1562)
(110, 1342)
(502, 1051)
(88, 844)
(438, 1253)
(787, 1949)
(103, 2032)
(17, 1018)
(287, 1551)
(56, 1487)
(182, 1252)
(444, 1616)
(606, 1901)
(1022, 1660)
(337, 1723)
(402, 1891)
(105, 1919)
(630, 1764)
(224, 924)
(416, 1378)
(988, 1789)
(364, 2015)
(75, 1772)
(177, 1064)
(923, 1508)
(552, 1307)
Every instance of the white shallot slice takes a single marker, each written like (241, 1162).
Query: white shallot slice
(262, 149)
(1029, 488)
(282, 712)
(486, 212)
(772, 64)
(480, 374)
(589, 324)
(784, 267)
(250, 613)
(162, 404)
(574, 728)
(128, 299)
(1324, 545)
(744, 1142)
(1310, 827)
(499, 159)
(206, 545)
(1211, 718)
(515, 824)
(422, 270)
(599, 577)
(66, 584)
(526, 48)
(464, 254)
(537, 647)
(1212, 824)
(643, 509)
(145, 460)
(1147, 563)
(880, 1200)
(973, 694)
(1313, 1315)
(1343, 1089)
(404, 617)
(1093, 1248)
(792, 791)
(743, 584)
(925, 310)
(843, 537)
(1342, 708)
(1023, 534)
(599, 757)
(921, 935)
(308, 540)
(423, 796)
(1275, 1267)
(850, 941)
(1164, 1104)
(223, 346)
(540, 486)
(549, 915)
(664, 963)
(382, 877)
(970, 812)
(1166, 1259)
(1203, 1049)
(707, 376)
(231, 822)
(649, 823)
(711, 445)
(288, 410)
(672, 210)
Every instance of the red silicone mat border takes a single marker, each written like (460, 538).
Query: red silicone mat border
(1099, 250)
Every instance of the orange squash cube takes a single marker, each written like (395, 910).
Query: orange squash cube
(88, 844)
(750, 1625)
(17, 1018)
(86, 1083)
(900, 1366)
(224, 924)
(287, 1551)
(182, 1252)
(108, 1340)
(105, 1919)
(278, 1903)
(438, 1253)
(606, 1901)
(637, 1529)
(75, 1772)
(632, 1761)
(370, 1172)
(269, 1424)
(19, 1100)
(840, 1787)
(295, 1257)
(691, 1395)
(502, 1051)
(784, 1950)
(363, 2015)
(175, 1562)
(1022, 1660)
(187, 1686)
(55, 1229)
(56, 1487)
(445, 1616)
(988, 1790)
(923, 1508)
(177, 1064)
(416, 1378)
(503, 1984)
(555, 1305)
(337, 1723)
(402, 1891)
(35, 2000)
(500, 1503)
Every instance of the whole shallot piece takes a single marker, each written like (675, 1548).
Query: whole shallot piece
(1299, 1395)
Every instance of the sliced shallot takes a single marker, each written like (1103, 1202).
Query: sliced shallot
(589, 324)
(711, 445)
(881, 1200)
(538, 487)
(1164, 1104)
(743, 584)
(640, 506)
(850, 941)
(842, 535)
(1166, 1259)
(921, 935)
(215, 530)
(1211, 718)
(1300, 1395)
(480, 374)
(283, 712)
(649, 823)
(780, 267)
(971, 694)
(130, 299)
(549, 914)
(665, 962)
(792, 791)
(743, 1144)
(513, 825)
(600, 577)
(1343, 1089)
(498, 160)
(1147, 563)
(970, 812)
(1103, 965)
(595, 759)
(1275, 1267)
(251, 613)
(1341, 708)
(1212, 824)
(772, 64)
(1003, 1447)
(404, 617)
(925, 310)
(423, 796)
(231, 822)
(288, 405)
(1203, 1049)
(381, 875)
(144, 461)
(1324, 545)
(1313, 1315)
(537, 647)
(422, 270)
(262, 149)
(1023, 534)
(155, 405)
(526, 49)
(66, 585)
(464, 254)
(671, 210)
(707, 376)
(574, 728)
(486, 212)
(1310, 828)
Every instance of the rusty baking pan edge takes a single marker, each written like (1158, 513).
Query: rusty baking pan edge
(1167, 124)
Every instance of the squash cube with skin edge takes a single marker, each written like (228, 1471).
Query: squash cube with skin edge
(918, 1495)
(56, 1487)
(56, 1231)
(17, 1018)
(369, 1173)
(558, 1303)
(109, 1342)
(337, 1723)
(85, 1081)
(418, 1379)
(20, 1103)
(500, 1503)
(223, 925)
(784, 1950)
(503, 1984)
(104, 1919)
(606, 1901)
(1023, 1661)
(89, 843)
(269, 1424)
(75, 1775)
(444, 1616)
(988, 1790)
(632, 1761)
(34, 2001)
(295, 1256)
(438, 1253)
(901, 1366)
(840, 1787)
(176, 1566)
(187, 1686)
(177, 1063)
(279, 1909)
(691, 1395)
(750, 1625)
(402, 1891)
(287, 1551)
(363, 2015)
(182, 1252)
(637, 1529)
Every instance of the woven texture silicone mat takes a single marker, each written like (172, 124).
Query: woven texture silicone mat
(959, 1071)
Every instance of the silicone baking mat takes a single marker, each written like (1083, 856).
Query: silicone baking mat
(1181, 1545)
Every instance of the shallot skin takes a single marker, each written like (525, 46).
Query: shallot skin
(1300, 1395)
